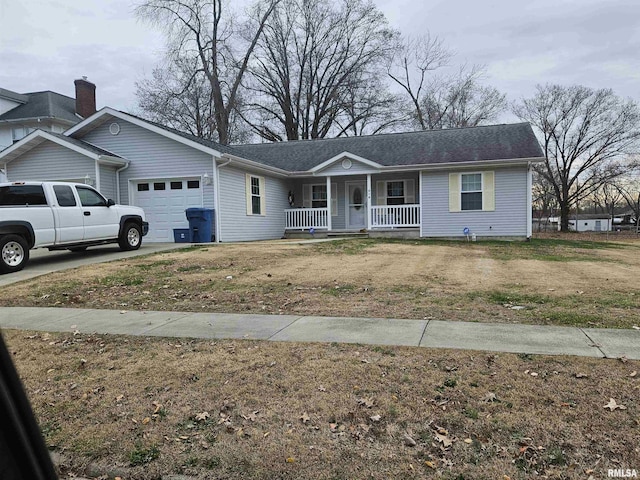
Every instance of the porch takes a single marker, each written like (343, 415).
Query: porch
(359, 203)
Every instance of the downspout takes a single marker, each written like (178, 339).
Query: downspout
(216, 195)
(118, 182)
(97, 175)
(529, 201)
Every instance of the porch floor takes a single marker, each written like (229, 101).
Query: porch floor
(408, 232)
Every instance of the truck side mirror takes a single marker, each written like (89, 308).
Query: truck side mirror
(110, 203)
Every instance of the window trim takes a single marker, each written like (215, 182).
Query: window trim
(405, 189)
(261, 195)
(481, 192)
(334, 198)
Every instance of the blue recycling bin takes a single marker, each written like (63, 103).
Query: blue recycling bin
(201, 224)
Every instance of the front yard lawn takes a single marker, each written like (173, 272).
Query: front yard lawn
(141, 408)
(562, 282)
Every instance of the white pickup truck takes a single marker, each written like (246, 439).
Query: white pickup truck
(61, 215)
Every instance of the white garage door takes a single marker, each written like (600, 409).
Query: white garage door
(164, 202)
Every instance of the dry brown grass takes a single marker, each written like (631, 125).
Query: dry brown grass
(573, 282)
(119, 401)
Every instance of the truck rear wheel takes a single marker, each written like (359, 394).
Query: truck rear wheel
(131, 237)
(14, 253)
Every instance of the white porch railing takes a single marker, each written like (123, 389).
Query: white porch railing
(305, 218)
(391, 216)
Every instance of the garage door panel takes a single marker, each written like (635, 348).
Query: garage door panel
(165, 209)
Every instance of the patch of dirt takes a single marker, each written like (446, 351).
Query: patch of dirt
(263, 410)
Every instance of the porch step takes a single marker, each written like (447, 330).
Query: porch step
(348, 234)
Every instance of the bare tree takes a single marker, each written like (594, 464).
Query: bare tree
(607, 197)
(460, 100)
(586, 136)
(411, 66)
(543, 200)
(312, 63)
(630, 191)
(205, 32)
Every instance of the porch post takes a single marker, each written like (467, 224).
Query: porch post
(368, 222)
(329, 203)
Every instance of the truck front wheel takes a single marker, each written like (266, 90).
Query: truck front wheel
(14, 252)
(131, 237)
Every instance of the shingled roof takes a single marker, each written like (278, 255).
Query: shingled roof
(492, 142)
(44, 105)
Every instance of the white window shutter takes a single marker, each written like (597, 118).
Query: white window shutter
(334, 199)
(263, 197)
(381, 192)
(306, 196)
(247, 179)
(454, 192)
(409, 192)
(488, 192)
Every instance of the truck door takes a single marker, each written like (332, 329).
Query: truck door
(70, 221)
(101, 222)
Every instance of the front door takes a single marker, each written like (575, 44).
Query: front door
(356, 205)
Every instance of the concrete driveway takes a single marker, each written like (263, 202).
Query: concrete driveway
(43, 261)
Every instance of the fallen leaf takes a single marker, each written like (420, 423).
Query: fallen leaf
(304, 417)
(145, 420)
(266, 434)
(489, 397)
(252, 416)
(157, 406)
(366, 402)
(430, 464)
(408, 441)
(612, 405)
(322, 389)
(623, 359)
(468, 441)
(534, 374)
(581, 375)
(444, 439)
(119, 398)
(201, 417)
(375, 418)
(290, 460)
(633, 374)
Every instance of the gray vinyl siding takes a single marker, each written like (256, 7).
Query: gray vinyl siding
(235, 224)
(508, 219)
(152, 156)
(50, 161)
(357, 168)
(108, 182)
(338, 222)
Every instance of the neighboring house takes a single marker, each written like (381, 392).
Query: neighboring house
(22, 113)
(597, 222)
(444, 183)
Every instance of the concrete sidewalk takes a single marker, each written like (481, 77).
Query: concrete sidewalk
(496, 337)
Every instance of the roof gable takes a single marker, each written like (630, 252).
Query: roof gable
(38, 137)
(346, 163)
(107, 114)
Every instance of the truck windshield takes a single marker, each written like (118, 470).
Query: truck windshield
(22, 195)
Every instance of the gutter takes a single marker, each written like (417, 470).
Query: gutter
(278, 172)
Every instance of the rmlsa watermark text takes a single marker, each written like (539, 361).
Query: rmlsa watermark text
(622, 473)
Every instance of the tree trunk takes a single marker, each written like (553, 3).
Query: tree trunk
(564, 216)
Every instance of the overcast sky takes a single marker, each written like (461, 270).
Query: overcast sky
(46, 44)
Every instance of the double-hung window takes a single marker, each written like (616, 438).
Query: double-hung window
(255, 195)
(318, 196)
(396, 193)
(471, 191)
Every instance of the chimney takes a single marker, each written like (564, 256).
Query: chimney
(85, 97)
